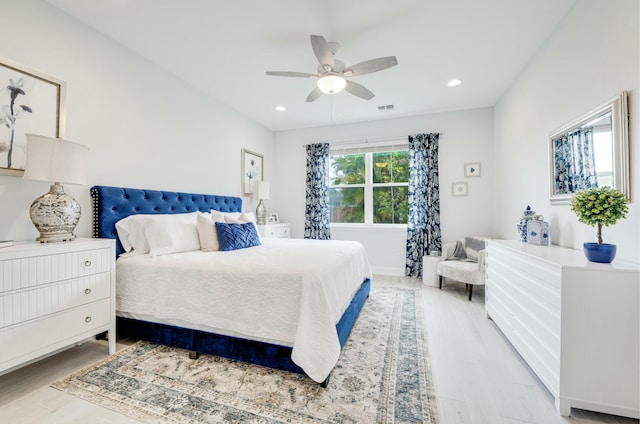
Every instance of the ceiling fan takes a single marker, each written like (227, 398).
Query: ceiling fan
(332, 72)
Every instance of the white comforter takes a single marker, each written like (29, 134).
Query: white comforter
(290, 292)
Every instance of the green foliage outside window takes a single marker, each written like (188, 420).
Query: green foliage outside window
(389, 176)
(347, 205)
(347, 169)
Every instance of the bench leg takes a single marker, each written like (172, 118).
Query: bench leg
(440, 280)
(470, 291)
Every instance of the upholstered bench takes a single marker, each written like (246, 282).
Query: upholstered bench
(463, 261)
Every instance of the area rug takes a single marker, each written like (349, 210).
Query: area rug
(382, 376)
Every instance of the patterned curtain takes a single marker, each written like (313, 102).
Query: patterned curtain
(575, 161)
(423, 222)
(316, 221)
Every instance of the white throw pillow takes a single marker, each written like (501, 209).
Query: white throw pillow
(131, 233)
(206, 225)
(243, 218)
(167, 237)
(132, 229)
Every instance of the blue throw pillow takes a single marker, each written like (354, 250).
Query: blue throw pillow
(237, 236)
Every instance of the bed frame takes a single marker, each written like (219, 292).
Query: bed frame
(111, 204)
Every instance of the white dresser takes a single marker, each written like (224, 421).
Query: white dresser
(53, 295)
(274, 230)
(576, 323)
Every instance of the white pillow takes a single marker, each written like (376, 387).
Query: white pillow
(206, 226)
(231, 215)
(243, 218)
(131, 233)
(172, 237)
(132, 229)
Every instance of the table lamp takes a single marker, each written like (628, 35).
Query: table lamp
(262, 192)
(55, 214)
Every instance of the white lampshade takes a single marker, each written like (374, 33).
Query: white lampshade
(55, 160)
(331, 84)
(262, 190)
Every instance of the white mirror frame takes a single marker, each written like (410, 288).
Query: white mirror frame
(620, 141)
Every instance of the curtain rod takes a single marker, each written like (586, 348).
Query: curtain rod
(367, 140)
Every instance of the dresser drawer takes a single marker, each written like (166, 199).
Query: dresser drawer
(34, 270)
(22, 305)
(30, 340)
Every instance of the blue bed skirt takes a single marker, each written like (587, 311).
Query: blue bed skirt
(265, 354)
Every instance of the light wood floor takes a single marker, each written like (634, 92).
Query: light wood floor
(479, 378)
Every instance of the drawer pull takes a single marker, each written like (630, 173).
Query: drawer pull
(87, 319)
(87, 291)
(87, 263)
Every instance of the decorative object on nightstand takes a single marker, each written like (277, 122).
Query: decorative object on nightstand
(55, 214)
(598, 206)
(527, 216)
(261, 191)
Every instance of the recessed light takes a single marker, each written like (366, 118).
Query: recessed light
(280, 108)
(454, 83)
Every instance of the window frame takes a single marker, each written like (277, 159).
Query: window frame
(368, 185)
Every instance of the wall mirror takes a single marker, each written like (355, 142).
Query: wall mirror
(592, 150)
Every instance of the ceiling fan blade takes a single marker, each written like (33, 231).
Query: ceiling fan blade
(369, 66)
(322, 51)
(359, 90)
(291, 74)
(315, 93)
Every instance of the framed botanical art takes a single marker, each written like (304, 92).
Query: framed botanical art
(459, 189)
(252, 170)
(472, 169)
(32, 102)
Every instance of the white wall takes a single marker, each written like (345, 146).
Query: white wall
(591, 56)
(467, 137)
(144, 127)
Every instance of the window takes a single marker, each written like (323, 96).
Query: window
(369, 187)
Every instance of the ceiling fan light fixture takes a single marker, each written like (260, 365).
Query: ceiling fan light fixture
(331, 84)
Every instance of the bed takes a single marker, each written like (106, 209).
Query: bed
(287, 304)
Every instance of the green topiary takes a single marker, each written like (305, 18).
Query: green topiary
(599, 206)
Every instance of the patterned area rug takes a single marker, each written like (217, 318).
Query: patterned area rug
(382, 376)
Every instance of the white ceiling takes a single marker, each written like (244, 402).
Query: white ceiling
(224, 47)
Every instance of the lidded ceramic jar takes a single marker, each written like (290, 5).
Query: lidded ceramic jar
(527, 215)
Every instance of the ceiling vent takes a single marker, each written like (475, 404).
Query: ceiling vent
(385, 107)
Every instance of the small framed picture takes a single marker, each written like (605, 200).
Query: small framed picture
(472, 169)
(273, 218)
(459, 189)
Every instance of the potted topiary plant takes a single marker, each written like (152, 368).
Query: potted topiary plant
(598, 206)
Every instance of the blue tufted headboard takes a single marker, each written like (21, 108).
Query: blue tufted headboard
(111, 204)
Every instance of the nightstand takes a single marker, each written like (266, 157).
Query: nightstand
(53, 295)
(280, 230)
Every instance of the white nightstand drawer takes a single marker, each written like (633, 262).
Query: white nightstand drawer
(274, 230)
(26, 304)
(26, 340)
(35, 269)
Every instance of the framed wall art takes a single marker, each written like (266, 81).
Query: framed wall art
(31, 102)
(252, 170)
(459, 189)
(472, 169)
